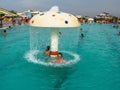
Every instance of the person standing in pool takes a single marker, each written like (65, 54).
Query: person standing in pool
(4, 33)
(60, 34)
(47, 51)
(59, 59)
(82, 35)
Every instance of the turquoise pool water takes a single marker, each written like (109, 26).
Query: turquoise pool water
(97, 69)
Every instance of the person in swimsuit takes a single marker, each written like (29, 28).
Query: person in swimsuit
(47, 51)
(59, 59)
(4, 33)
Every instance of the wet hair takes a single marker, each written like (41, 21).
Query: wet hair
(4, 30)
(9, 26)
(82, 35)
(60, 54)
(47, 48)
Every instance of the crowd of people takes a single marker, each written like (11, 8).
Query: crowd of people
(8, 22)
(16, 21)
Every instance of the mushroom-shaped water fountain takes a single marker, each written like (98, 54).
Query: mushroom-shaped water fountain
(54, 19)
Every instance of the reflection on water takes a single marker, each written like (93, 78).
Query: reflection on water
(58, 76)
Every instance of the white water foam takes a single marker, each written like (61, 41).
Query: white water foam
(30, 57)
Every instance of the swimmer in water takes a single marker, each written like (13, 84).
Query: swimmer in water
(4, 33)
(47, 51)
(59, 59)
(60, 34)
(9, 27)
(82, 36)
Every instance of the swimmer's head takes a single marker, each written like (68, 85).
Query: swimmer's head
(4, 30)
(47, 48)
(59, 54)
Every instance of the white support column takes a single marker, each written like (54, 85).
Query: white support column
(54, 42)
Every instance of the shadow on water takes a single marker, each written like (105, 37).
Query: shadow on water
(62, 78)
(59, 82)
(60, 74)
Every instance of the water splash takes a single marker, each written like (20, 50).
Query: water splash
(31, 57)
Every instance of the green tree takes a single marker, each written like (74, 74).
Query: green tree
(12, 11)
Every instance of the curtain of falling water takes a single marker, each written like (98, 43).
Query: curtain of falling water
(68, 38)
(39, 38)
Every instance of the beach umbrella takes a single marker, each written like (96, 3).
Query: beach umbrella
(54, 19)
(90, 19)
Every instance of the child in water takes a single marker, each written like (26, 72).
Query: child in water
(59, 59)
(4, 33)
(82, 35)
(47, 51)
